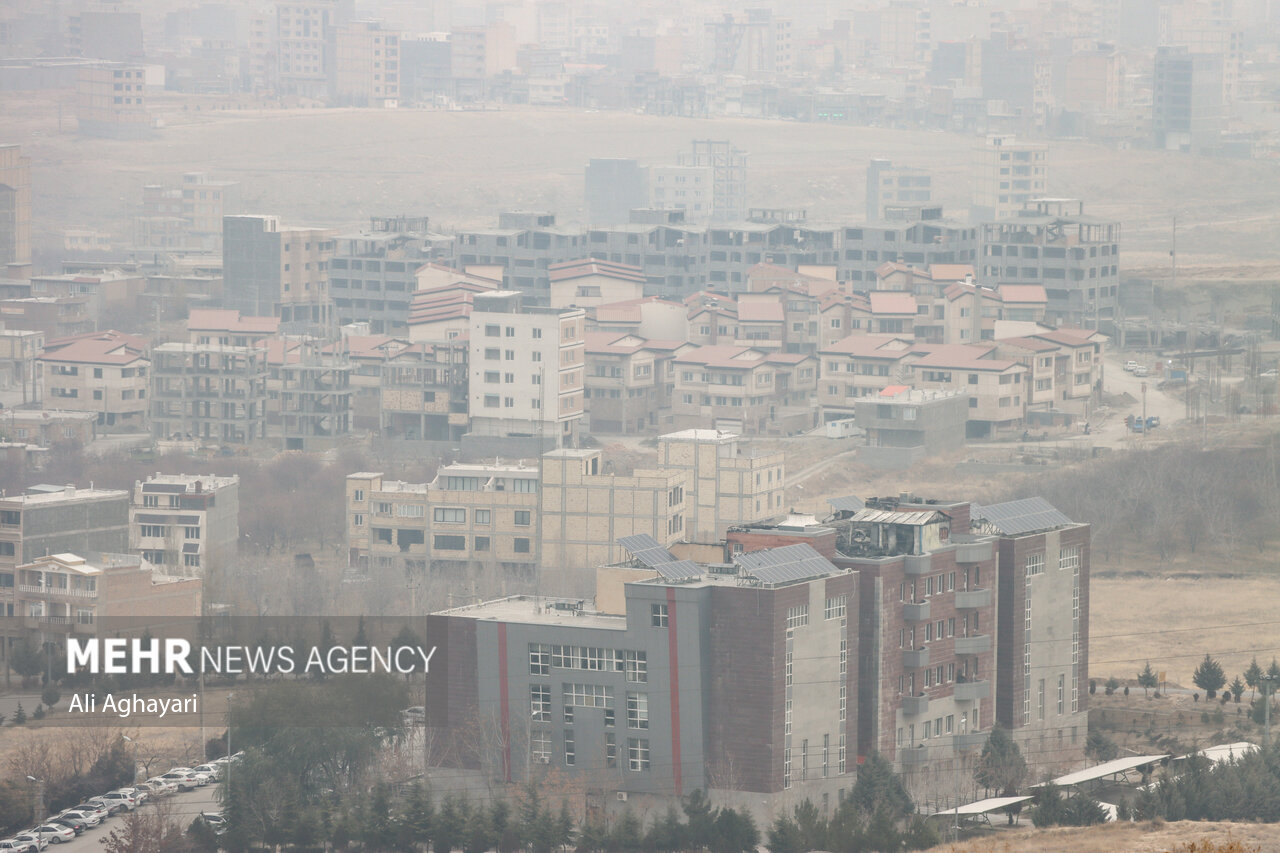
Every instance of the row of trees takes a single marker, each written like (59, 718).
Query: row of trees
(1244, 789)
(82, 762)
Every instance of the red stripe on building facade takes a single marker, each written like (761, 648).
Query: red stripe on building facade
(674, 663)
(502, 700)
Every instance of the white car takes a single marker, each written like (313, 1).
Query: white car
(1269, 374)
(210, 770)
(1131, 366)
(184, 780)
(12, 845)
(32, 838)
(55, 833)
(1140, 370)
(90, 820)
(128, 800)
(163, 786)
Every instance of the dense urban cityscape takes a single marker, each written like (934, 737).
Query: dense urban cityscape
(846, 425)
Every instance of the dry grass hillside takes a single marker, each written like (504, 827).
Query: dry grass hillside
(1155, 837)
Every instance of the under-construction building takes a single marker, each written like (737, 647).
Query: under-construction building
(314, 402)
(728, 167)
(424, 393)
(208, 393)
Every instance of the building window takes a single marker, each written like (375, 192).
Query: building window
(482, 543)
(570, 755)
(1035, 564)
(540, 703)
(153, 531)
(84, 616)
(449, 515)
(357, 520)
(637, 711)
(451, 543)
(522, 518)
(658, 615)
(191, 561)
(1062, 694)
(540, 747)
(637, 667)
(1069, 558)
(482, 516)
(637, 754)
(521, 545)
(192, 532)
(539, 659)
(797, 616)
(610, 750)
(837, 608)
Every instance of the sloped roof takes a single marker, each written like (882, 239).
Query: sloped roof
(228, 319)
(871, 346)
(761, 312)
(892, 302)
(110, 347)
(723, 356)
(1022, 293)
(568, 270)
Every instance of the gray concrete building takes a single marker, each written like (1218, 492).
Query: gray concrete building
(1187, 108)
(62, 519)
(614, 187)
(916, 235)
(524, 244)
(889, 185)
(371, 274)
(906, 426)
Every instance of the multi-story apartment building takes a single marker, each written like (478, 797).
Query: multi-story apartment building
(733, 251)
(586, 507)
(684, 188)
(1187, 100)
(304, 46)
(526, 369)
(110, 293)
(672, 253)
(49, 427)
(61, 520)
(188, 524)
(860, 365)
(309, 398)
(270, 271)
(524, 244)
(51, 316)
(753, 45)
(996, 388)
(681, 687)
(625, 383)
(744, 389)
(188, 216)
(15, 210)
(366, 65)
(890, 185)
(228, 327)
(1038, 358)
(1042, 650)
(422, 392)
(922, 237)
(1073, 256)
(111, 101)
(1007, 175)
(105, 373)
(591, 282)
(50, 598)
(209, 393)
(373, 274)
(470, 516)
(728, 165)
(727, 481)
(614, 187)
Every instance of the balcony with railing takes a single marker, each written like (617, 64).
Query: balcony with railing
(972, 599)
(914, 756)
(915, 658)
(972, 691)
(58, 592)
(975, 644)
(915, 705)
(917, 611)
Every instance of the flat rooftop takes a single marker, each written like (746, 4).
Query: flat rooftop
(537, 610)
(62, 495)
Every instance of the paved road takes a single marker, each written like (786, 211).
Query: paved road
(182, 809)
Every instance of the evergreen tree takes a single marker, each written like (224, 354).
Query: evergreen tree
(665, 835)
(784, 837)
(1100, 747)
(1209, 676)
(449, 825)
(812, 826)
(1253, 675)
(1001, 768)
(735, 832)
(1147, 679)
(1237, 689)
(700, 820)
(627, 835)
(878, 787)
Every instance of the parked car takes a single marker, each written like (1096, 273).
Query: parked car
(415, 716)
(12, 845)
(121, 798)
(99, 810)
(1269, 374)
(147, 790)
(165, 786)
(1140, 370)
(211, 770)
(90, 820)
(76, 826)
(215, 821)
(1131, 366)
(56, 833)
(185, 780)
(32, 838)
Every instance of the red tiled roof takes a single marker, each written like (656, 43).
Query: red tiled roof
(592, 266)
(1022, 293)
(893, 390)
(871, 346)
(722, 355)
(761, 312)
(229, 320)
(950, 272)
(961, 357)
(1032, 344)
(1070, 337)
(110, 347)
(892, 302)
(608, 343)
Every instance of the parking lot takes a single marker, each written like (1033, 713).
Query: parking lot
(182, 808)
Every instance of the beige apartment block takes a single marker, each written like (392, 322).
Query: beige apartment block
(591, 282)
(727, 482)
(208, 393)
(1007, 174)
(744, 389)
(860, 365)
(302, 46)
(625, 380)
(1038, 357)
(470, 516)
(996, 387)
(106, 373)
(111, 101)
(586, 507)
(187, 524)
(526, 369)
(15, 209)
(366, 65)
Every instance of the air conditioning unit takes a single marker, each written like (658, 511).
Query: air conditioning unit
(622, 796)
(542, 759)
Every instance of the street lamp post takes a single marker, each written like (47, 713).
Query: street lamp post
(38, 809)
